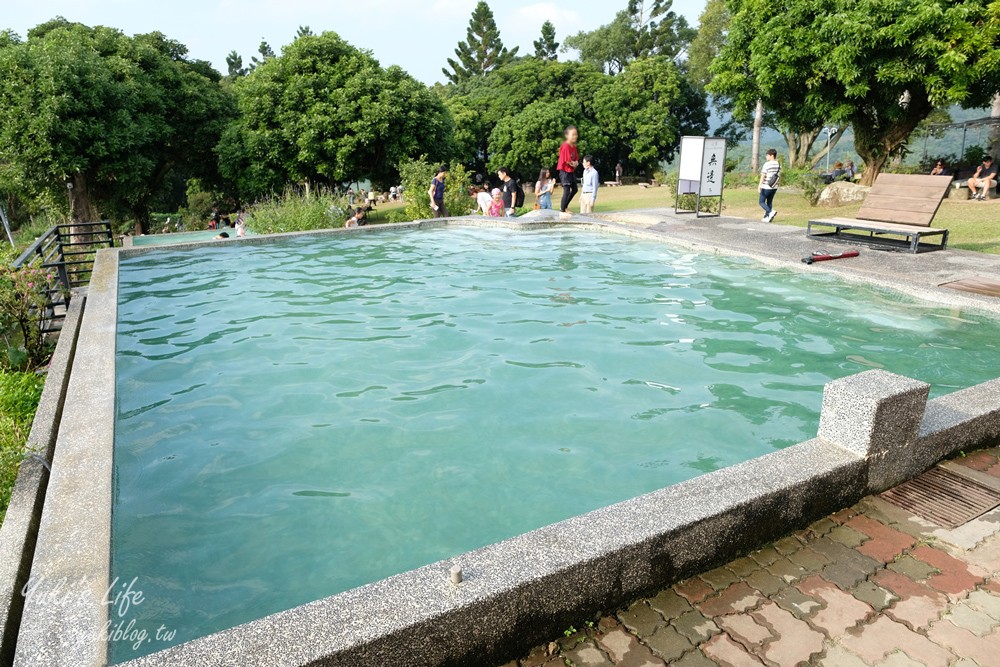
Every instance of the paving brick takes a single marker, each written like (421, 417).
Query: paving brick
(742, 567)
(955, 577)
(908, 566)
(719, 578)
(724, 651)
(838, 656)
(641, 620)
(899, 659)
(537, 658)
(976, 622)
(808, 559)
(786, 570)
(836, 553)
(840, 612)
(875, 596)
(765, 582)
(587, 654)
(669, 604)
(844, 515)
(845, 575)
(795, 641)
(918, 605)
(744, 629)
(874, 641)
(694, 659)
(985, 602)
(737, 598)
(695, 627)
(992, 585)
(787, 545)
(693, 589)
(823, 526)
(847, 536)
(765, 556)
(965, 644)
(981, 461)
(885, 544)
(668, 644)
(796, 602)
(626, 651)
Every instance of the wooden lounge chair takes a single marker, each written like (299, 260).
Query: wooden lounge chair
(897, 205)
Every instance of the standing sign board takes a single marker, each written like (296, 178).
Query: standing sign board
(702, 172)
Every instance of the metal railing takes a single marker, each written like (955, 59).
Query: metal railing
(67, 252)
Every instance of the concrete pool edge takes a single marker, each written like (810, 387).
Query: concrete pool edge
(520, 591)
(19, 530)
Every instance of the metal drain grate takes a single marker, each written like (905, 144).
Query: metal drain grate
(947, 499)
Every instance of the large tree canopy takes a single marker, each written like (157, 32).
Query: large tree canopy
(881, 66)
(107, 114)
(482, 51)
(325, 112)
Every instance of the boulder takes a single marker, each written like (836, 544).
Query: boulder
(842, 193)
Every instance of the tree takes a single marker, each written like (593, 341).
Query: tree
(881, 67)
(325, 112)
(482, 51)
(265, 52)
(994, 147)
(713, 24)
(546, 47)
(304, 31)
(639, 111)
(529, 140)
(105, 117)
(234, 65)
(641, 30)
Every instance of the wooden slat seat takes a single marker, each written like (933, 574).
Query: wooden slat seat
(897, 205)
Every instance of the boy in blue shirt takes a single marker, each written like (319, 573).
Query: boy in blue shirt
(591, 181)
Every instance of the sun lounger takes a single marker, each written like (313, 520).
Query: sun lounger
(898, 205)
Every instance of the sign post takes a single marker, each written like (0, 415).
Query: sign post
(6, 225)
(702, 172)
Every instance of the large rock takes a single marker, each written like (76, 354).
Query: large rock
(842, 193)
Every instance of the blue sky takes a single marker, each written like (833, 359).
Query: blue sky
(418, 35)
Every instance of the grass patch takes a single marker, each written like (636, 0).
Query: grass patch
(19, 394)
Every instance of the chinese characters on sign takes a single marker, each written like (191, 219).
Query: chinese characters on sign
(713, 167)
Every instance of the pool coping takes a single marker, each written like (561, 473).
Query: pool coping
(876, 430)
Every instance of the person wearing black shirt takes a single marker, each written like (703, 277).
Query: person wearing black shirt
(984, 178)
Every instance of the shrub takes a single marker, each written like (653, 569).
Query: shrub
(812, 187)
(296, 211)
(416, 176)
(19, 394)
(22, 305)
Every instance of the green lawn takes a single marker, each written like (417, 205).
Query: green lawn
(19, 394)
(973, 225)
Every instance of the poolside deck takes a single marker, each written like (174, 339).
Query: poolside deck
(871, 585)
(922, 274)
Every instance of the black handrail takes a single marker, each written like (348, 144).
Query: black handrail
(79, 242)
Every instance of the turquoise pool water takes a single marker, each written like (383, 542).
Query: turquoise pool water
(301, 418)
(183, 237)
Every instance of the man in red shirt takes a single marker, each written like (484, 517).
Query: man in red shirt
(569, 160)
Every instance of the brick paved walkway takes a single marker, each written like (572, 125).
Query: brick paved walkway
(871, 585)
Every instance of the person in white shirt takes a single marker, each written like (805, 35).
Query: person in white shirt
(770, 174)
(484, 199)
(591, 181)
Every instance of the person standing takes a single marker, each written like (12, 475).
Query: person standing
(619, 172)
(509, 191)
(544, 188)
(436, 193)
(569, 160)
(591, 181)
(371, 197)
(770, 173)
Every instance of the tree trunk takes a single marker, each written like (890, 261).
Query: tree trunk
(758, 123)
(994, 148)
(834, 140)
(81, 206)
(877, 145)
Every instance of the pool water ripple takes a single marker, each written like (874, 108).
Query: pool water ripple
(300, 418)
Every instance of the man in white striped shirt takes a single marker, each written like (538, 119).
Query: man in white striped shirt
(769, 176)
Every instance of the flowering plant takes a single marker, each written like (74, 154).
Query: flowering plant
(23, 299)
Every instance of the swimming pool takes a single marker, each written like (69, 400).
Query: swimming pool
(300, 418)
(183, 237)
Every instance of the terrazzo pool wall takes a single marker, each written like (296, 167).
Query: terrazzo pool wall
(876, 430)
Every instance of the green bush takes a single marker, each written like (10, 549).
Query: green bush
(416, 177)
(22, 303)
(296, 211)
(19, 394)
